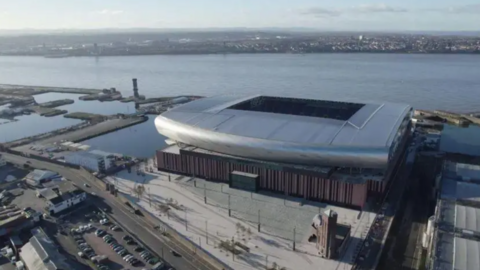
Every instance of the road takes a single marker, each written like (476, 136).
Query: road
(139, 226)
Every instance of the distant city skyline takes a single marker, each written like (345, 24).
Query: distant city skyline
(348, 15)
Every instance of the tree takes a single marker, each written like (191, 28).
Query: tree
(139, 190)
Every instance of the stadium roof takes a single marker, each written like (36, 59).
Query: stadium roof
(288, 129)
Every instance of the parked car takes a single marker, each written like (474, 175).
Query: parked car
(176, 254)
(131, 242)
(123, 252)
(127, 237)
(148, 257)
(110, 240)
(139, 249)
(116, 228)
(100, 233)
(153, 261)
(134, 262)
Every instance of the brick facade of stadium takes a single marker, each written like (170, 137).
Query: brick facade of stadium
(310, 185)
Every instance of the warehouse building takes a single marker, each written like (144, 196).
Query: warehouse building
(38, 177)
(41, 253)
(452, 238)
(337, 152)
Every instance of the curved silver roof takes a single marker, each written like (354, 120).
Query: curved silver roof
(363, 140)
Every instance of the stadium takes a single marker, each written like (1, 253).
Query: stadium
(331, 151)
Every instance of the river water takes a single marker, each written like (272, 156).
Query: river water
(448, 82)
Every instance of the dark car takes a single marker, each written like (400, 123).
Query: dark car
(148, 257)
(127, 237)
(153, 261)
(139, 249)
(100, 233)
(176, 254)
(131, 242)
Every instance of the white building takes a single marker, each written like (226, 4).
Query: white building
(61, 197)
(96, 161)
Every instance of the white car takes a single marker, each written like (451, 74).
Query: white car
(127, 257)
(104, 221)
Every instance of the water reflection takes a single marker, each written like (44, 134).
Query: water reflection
(140, 141)
(29, 125)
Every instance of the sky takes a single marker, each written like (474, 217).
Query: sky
(328, 15)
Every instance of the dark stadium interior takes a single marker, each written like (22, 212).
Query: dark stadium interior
(296, 106)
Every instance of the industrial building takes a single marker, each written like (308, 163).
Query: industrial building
(14, 219)
(336, 152)
(61, 196)
(94, 160)
(452, 238)
(41, 253)
(38, 177)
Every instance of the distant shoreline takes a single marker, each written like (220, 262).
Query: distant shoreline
(242, 53)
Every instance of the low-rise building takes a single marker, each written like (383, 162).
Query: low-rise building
(93, 160)
(14, 219)
(38, 177)
(62, 196)
(41, 253)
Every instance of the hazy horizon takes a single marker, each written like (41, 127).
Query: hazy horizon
(347, 15)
